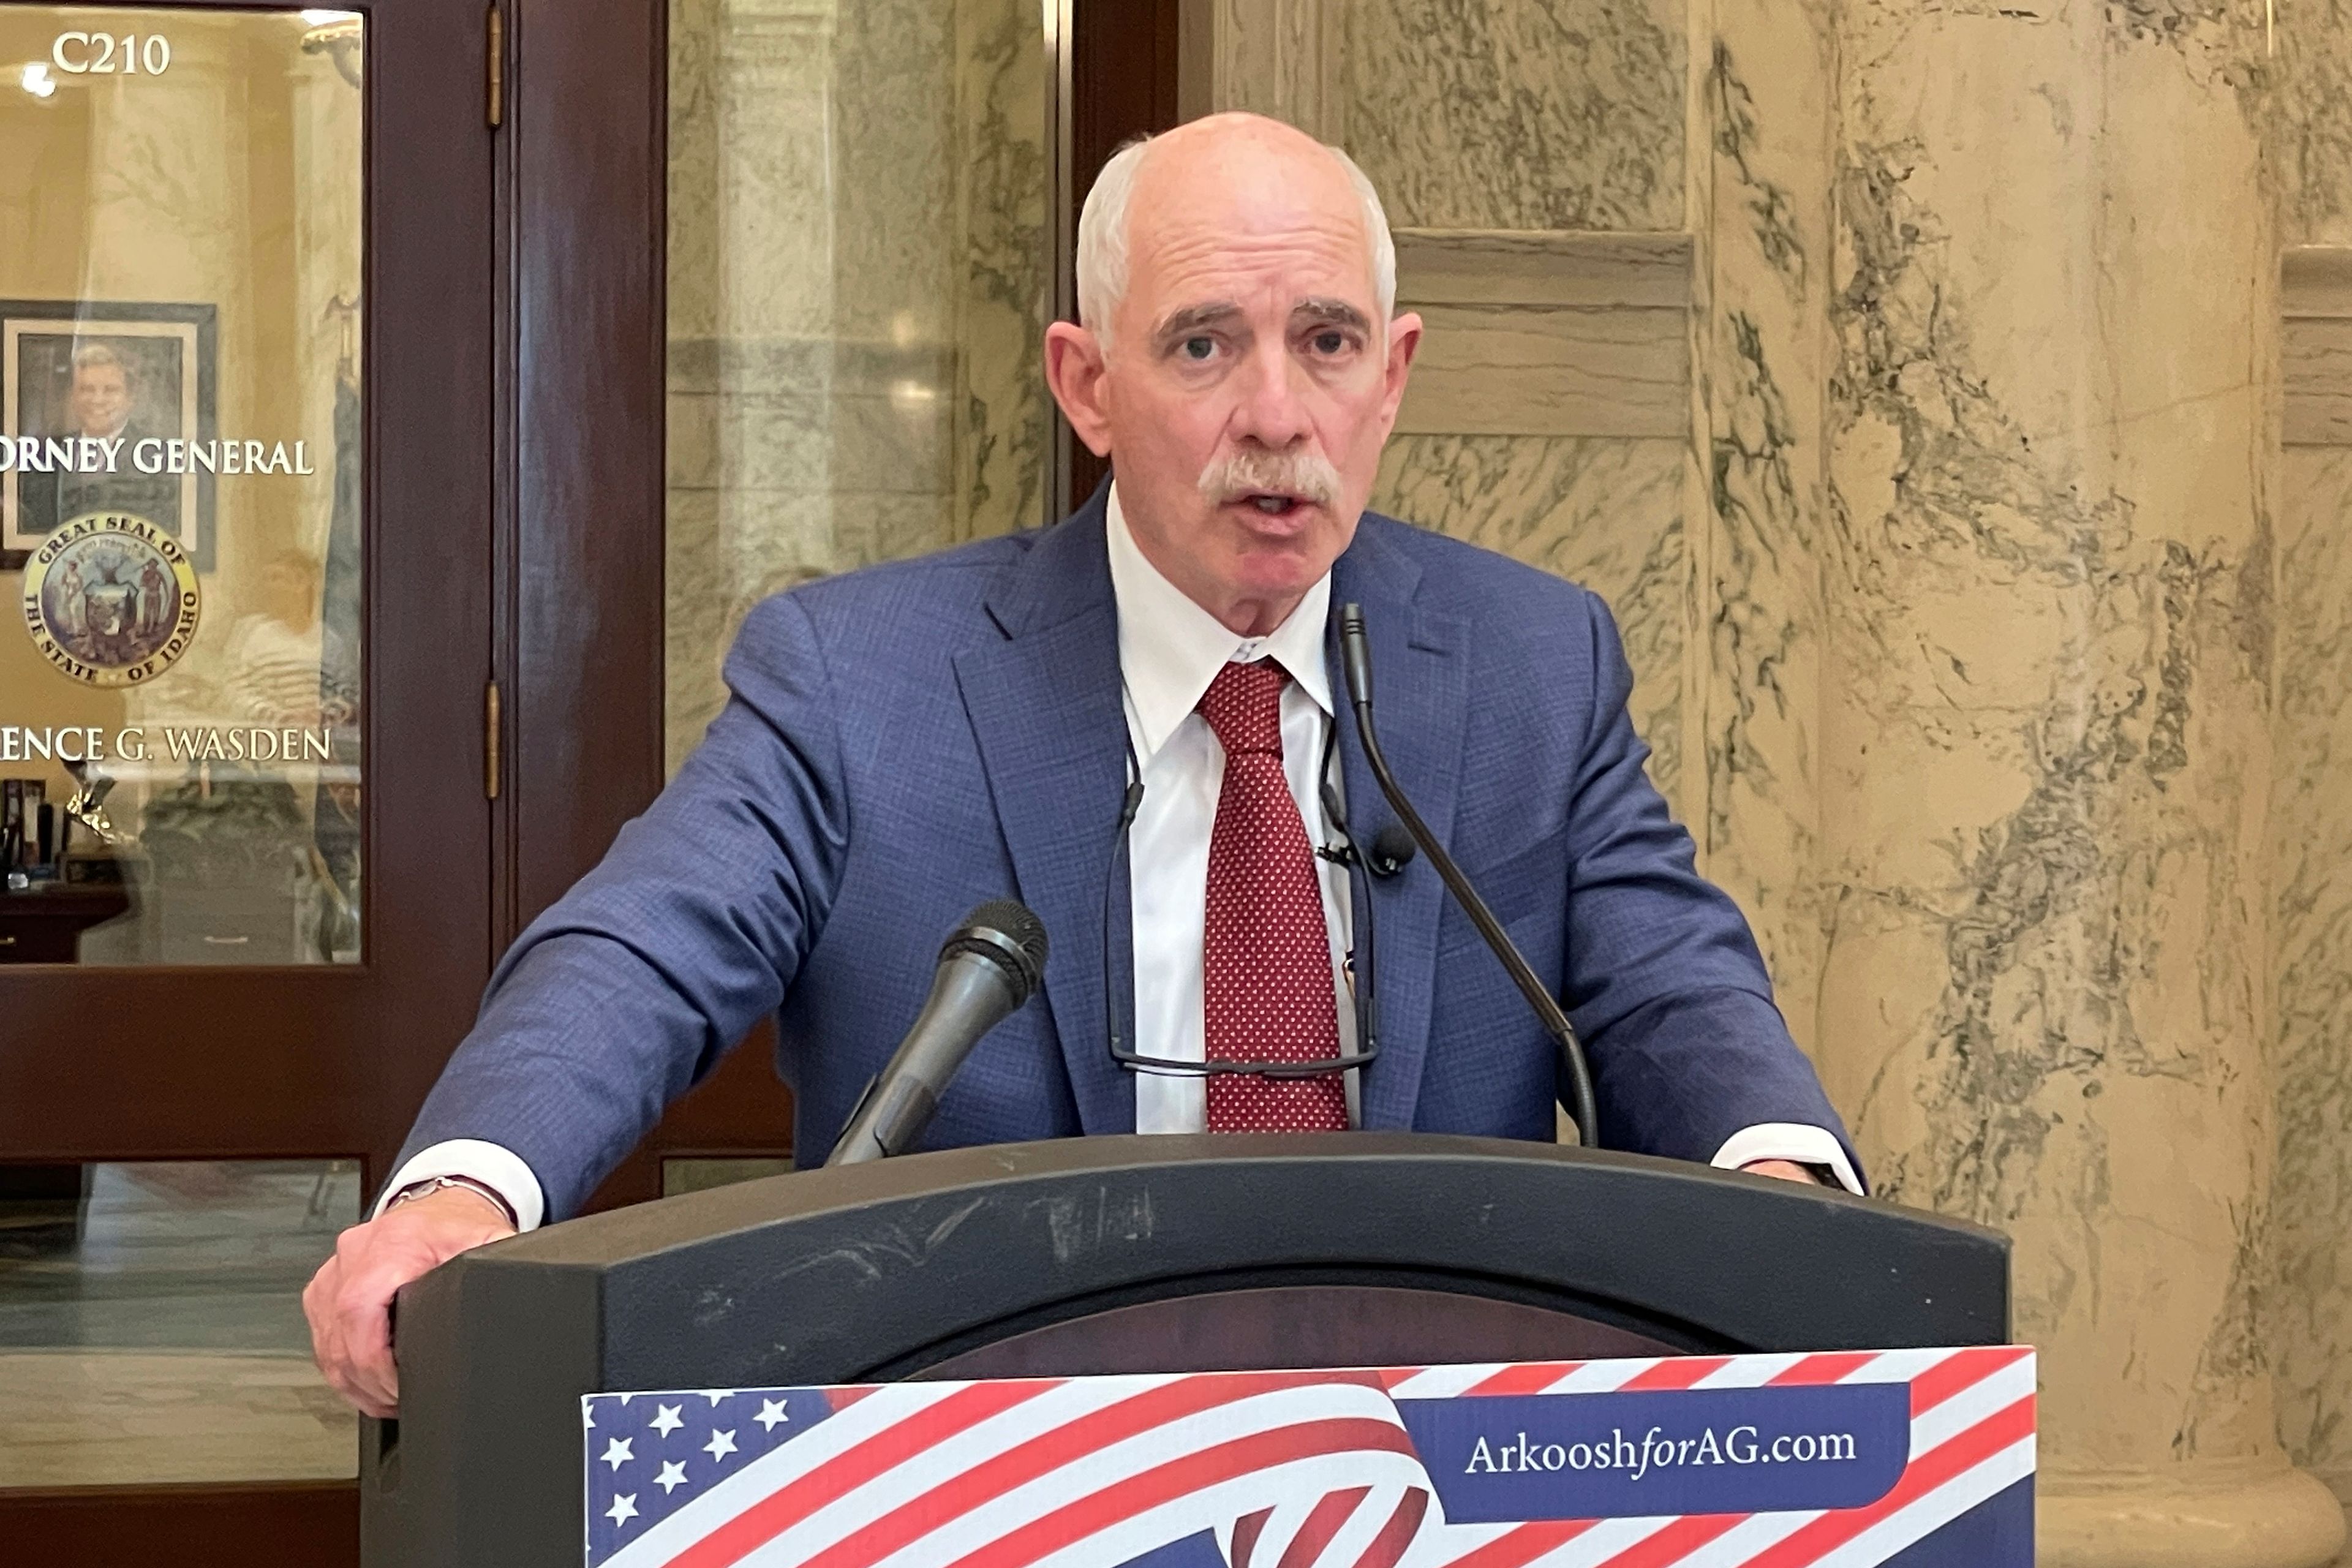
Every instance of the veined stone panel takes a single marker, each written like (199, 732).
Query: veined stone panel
(1548, 417)
(2315, 304)
(1593, 269)
(1604, 512)
(1521, 370)
(2308, 1324)
(2306, 82)
(1761, 222)
(1506, 114)
(1547, 333)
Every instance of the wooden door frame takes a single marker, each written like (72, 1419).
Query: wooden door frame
(224, 1063)
(579, 589)
(589, 500)
(577, 616)
(290, 1100)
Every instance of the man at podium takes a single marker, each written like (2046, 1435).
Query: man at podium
(1130, 721)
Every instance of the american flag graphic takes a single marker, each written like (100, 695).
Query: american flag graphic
(1336, 1470)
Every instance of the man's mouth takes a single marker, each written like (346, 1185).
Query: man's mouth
(1273, 503)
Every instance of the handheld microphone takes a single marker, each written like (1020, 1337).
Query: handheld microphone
(1575, 1073)
(987, 970)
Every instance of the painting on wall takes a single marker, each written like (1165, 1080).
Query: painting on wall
(108, 408)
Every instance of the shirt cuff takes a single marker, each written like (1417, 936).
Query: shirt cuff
(1793, 1141)
(500, 1169)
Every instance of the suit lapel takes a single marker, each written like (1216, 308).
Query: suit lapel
(1045, 710)
(1421, 690)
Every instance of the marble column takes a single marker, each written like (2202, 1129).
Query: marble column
(2045, 754)
(1762, 94)
(2308, 1324)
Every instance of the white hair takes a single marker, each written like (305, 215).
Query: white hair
(1103, 234)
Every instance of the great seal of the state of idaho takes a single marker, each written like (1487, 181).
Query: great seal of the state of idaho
(111, 599)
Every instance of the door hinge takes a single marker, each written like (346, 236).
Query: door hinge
(492, 768)
(498, 66)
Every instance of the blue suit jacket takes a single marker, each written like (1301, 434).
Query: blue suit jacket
(906, 742)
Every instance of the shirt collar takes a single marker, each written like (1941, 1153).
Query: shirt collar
(1170, 649)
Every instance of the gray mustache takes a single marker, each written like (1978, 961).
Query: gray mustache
(1307, 475)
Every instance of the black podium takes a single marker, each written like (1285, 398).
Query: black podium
(1111, 1255)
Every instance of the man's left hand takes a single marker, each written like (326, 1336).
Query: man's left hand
(1787, 1170)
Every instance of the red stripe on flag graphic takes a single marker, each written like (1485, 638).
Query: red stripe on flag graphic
(1832, 1366)
(1929, 1471)
(845, 1472)
(1323, 1521)
(1520, 1378)
(1676, 1542)
(1524, 1544)
(1965, 1369)
(1246, 1530)
(1387, 1547)
(1049, 1451)
(1210, 1467)
(1673, 1375)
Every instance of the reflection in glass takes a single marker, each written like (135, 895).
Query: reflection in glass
(858, 281)
(180, 420)
(151, 1323)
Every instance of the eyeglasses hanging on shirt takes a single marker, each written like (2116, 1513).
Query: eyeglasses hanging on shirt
(1386, 859)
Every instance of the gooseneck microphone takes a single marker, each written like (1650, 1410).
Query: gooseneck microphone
(988, 969)
(1575, 1073)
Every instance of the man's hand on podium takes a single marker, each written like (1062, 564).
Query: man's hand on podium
(349, 1301)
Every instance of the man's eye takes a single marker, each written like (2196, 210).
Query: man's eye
(1200, 348)
(1329, 343)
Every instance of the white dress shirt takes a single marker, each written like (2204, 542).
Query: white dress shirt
(1169, 650)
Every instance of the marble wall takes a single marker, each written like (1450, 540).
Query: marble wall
(1985, 640)
(2305, 82)
(856, 298)
(1506, 114)
(1963, 620)
(2045, 999)
(2309, 1323)
(2308, 1320)
(1493, 115)
(1760, 185)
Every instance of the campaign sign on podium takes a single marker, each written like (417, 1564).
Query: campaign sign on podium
(1918, 1458)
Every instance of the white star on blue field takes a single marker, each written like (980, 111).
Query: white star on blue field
(650, 1454)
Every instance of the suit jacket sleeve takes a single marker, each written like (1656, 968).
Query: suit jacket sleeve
(1665, 983)
(630, 987)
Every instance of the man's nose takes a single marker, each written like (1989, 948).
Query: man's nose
(1272, 409)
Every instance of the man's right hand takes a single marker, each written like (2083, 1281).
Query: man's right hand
(349, 1301)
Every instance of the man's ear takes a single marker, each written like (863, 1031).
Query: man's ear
(1073, 369)
(1404, 342)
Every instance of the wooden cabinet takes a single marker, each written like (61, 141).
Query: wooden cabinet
(42, 923)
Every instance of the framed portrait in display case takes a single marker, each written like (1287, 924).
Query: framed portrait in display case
(111, 407)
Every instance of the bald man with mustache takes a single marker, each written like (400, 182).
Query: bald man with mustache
(908, 740)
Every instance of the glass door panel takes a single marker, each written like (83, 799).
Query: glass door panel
(858, 278)
(182, 220)
(151, 1323)
(249, 361)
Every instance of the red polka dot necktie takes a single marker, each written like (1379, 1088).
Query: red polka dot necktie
(1266, 954)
